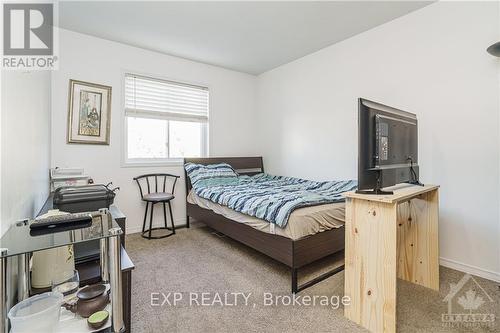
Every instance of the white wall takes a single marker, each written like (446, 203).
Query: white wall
(431, 62)
(86, 58)
(25, 144)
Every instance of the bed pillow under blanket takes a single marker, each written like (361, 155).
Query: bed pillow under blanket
(199, 172)
(271, 198)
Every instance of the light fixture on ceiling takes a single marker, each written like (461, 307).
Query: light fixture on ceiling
(494, 49)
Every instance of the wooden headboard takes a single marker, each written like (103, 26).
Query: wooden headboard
(242, 165)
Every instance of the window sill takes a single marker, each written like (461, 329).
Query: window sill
(174, 162)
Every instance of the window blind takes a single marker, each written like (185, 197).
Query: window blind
(156, 98)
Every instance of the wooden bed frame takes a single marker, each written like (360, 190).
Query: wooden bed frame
(293, 253)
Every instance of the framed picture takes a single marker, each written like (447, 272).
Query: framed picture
(89, 113)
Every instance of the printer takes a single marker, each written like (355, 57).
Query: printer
(86, 198)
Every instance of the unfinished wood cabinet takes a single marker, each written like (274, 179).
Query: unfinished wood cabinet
(389, 237)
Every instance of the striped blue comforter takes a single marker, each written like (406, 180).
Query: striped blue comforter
(271, 198)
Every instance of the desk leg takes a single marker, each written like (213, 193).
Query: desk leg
(115, 280)
(370, 264)
(23, 276)
(4, 299)
(104, 260)
(418, 251)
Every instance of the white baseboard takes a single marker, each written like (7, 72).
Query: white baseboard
(136, 229)
(486, 274)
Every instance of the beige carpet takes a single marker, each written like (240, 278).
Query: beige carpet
(198, 260)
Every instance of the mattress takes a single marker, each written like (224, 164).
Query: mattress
(301, 223)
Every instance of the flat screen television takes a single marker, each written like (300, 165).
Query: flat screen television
(388, 147)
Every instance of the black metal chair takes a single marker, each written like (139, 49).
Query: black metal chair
(155, 197)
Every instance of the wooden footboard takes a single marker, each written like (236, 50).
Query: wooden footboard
(293, 253)
(314, 247)
(277, 247)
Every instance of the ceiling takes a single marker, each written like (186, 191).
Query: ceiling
(251, 37)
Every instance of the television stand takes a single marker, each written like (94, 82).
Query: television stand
(378, 188)
(375, 191)
(414, 182)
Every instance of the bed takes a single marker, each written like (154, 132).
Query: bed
(293, 250)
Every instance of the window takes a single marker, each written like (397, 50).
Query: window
(164, 120)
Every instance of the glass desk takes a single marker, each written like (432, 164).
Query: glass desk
(20, 241)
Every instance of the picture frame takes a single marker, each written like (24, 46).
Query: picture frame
(89, 113)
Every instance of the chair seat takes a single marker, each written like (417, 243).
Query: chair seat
(158, 197)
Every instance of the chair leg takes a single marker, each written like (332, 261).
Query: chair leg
(145, 217)
(165, 215)
(187, 221)
(171, 217)
(151, 219)
(147, 233)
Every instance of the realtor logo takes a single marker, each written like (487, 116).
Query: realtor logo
(467, 296)
(28, 36)
(27, 29)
